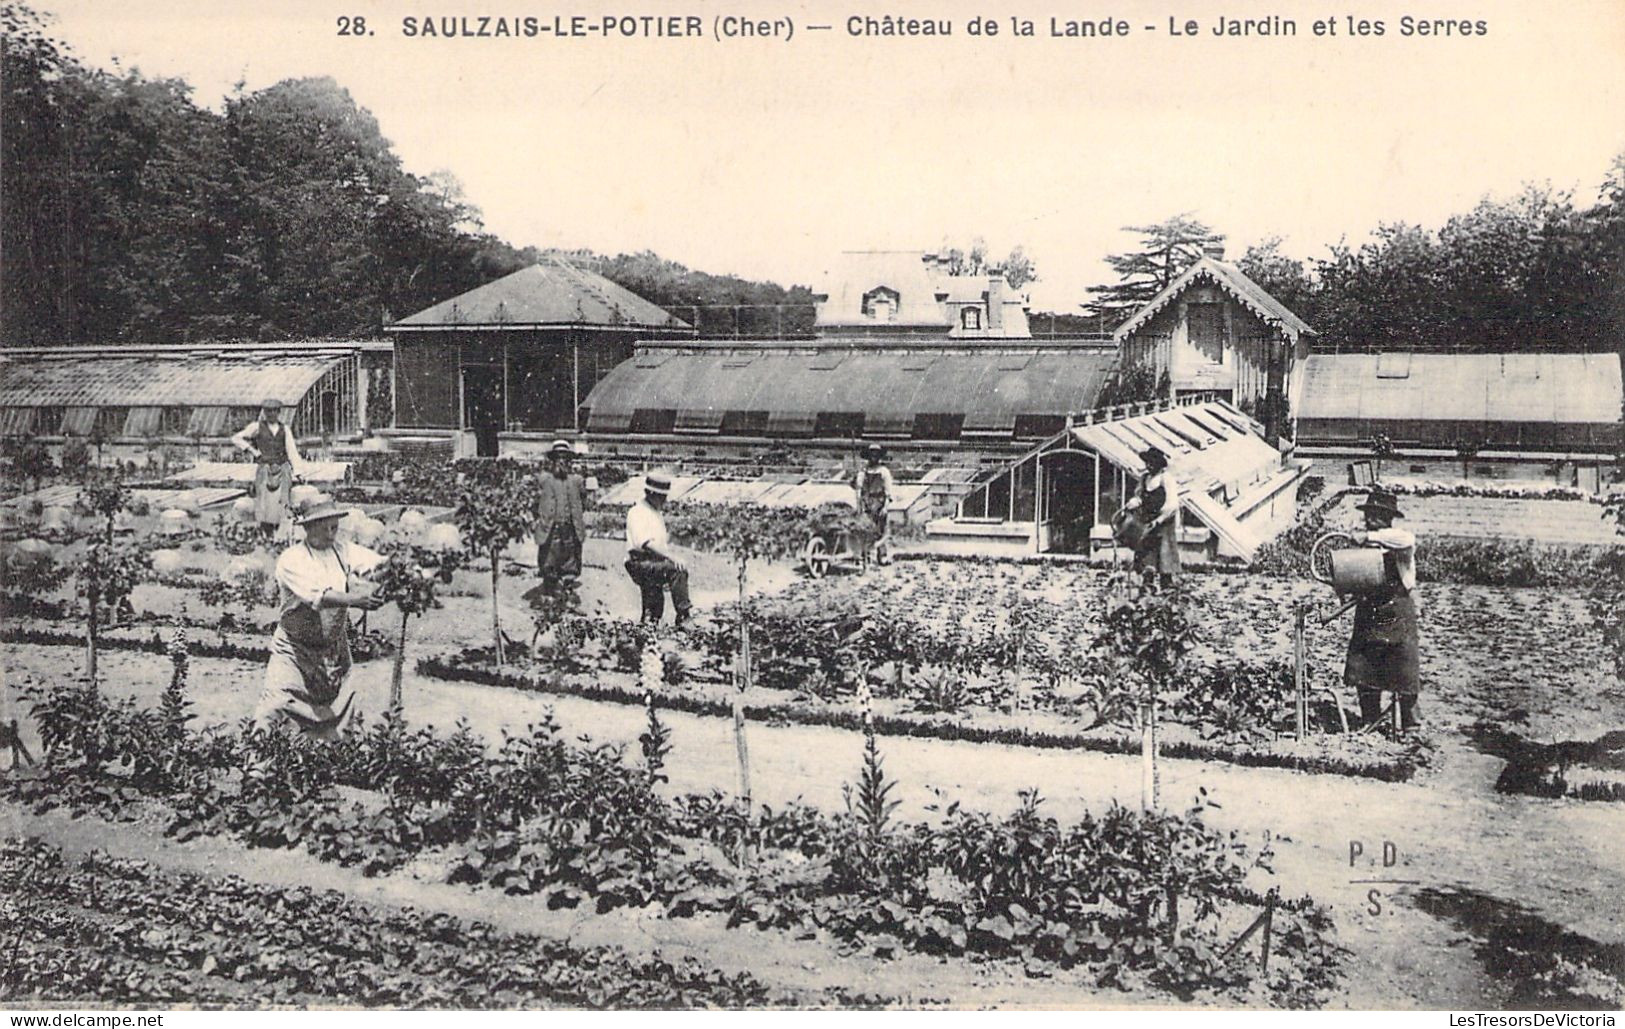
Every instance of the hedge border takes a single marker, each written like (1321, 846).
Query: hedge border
(194, 647)
(439, 667)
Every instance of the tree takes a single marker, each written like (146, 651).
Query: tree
(1282, 277)
(1166, 250)
(104, 580)
(1381, 448)
(492, 513)
(1018, 268)
(106, 496)
(410, 580)
(1148, 634)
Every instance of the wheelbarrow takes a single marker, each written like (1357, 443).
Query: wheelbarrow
(837, 549)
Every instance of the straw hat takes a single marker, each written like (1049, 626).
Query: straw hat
(320, 512)
(657, 482)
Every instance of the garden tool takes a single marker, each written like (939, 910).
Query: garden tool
(12, 738)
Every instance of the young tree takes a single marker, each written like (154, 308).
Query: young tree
(1467, 448)
(105, 495)
(492, 514)
(410, 580)
(1148, 634)
(28, 461)
(1166, 250)
(104, 580)
(1382, 448)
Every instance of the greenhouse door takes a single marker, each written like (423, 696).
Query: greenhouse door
(482, 406)
(1069, 500)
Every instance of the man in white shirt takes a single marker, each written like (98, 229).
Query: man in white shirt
(649, 557)
(310, 650)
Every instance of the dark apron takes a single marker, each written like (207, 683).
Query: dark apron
(1385, 648)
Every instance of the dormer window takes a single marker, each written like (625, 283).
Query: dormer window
(970, 318)
(881, 304)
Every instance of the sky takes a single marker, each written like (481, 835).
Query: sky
(767, 157)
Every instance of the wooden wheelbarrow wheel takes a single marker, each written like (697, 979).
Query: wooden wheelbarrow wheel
(815, 556)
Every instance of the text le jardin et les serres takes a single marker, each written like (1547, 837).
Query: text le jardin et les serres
(887, 26)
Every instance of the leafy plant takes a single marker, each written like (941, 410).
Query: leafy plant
(493, 510)
(105, 495)
(104, 580)
(409, 579)
(654, 743)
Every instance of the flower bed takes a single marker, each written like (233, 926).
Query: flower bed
(1365, 758)
(118, 931)
(1130, 899)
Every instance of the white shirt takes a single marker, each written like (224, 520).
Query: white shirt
(1403, 543)
(306, 573)
(644, 525)
(245, 441)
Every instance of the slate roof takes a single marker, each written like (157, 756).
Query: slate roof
(551, 294)
(1230, 279)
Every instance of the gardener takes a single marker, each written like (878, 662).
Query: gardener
(1155, 505)
(1385, 650)
(649, 557)
(310, 650)
(873, 486)
(561, 522)
(277, 457)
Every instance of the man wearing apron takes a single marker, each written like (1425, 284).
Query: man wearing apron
(277, 461)
(310, 650)
(873, 486)
(1156, 504)
(561, 522)
(1385, 649)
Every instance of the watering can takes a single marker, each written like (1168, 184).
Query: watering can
(1352, 571)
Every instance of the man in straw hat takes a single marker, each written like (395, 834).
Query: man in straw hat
(1385, 650)
(1155, 511)
(649, 557)
(561, 521)
(277, 463)
(873, 486)
(310, 650)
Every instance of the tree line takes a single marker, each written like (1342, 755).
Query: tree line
(132, 213)
(1533, 272)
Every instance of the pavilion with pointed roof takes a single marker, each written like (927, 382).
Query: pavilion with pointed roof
(518, 354)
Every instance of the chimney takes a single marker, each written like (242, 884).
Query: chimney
(995, 299)
(1214, 249)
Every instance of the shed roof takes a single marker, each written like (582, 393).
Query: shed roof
(182, 380)
(990, 388)
(550, 294)
(1230, 279)
(1419, 387)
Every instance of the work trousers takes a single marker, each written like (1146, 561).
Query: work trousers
(654, 576)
